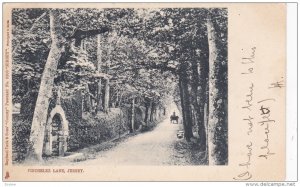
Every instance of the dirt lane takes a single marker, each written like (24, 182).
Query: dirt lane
(157, 147)
(150, 148)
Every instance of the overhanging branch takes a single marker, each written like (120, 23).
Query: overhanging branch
(79, 34)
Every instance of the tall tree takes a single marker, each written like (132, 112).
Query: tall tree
(106, 95)
(185, 102)
(45, 92)
(132, 114)
(202, 79)
(217, 121)
(99, 62)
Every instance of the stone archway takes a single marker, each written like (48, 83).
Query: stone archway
(56, 133)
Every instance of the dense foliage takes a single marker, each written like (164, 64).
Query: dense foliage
(123, 57)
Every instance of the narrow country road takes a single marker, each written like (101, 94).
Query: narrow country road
(159, 146)
(156, 147)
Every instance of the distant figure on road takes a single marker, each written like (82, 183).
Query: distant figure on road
(174, 118)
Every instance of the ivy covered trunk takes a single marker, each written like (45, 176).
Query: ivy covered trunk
(217, 124)
(185, 102)
(203, 79)
(45, 92)
(198, 106)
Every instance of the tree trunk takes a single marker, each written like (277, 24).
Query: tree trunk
(88, 101)
(45, 92)
(99, 96)
(132, 114)
(202, 70)
(185, 103)
(82, 44)
(217, 129)
(206, 117)
(82, 103)
(194, 100)
(99, 62)
(117, 100)
(120, 100)
(99, 52)
(106, 93)
(106, 96)
(152, 111)
(146, 112)
(149, 112)
(155, 114)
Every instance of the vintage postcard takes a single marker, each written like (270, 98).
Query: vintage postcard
(144, 91)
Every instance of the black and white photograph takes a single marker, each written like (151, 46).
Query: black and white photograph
(120, 86)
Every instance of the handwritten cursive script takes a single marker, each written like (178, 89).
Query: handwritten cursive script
(248, 61)
(249, 98)
(246, 175)
(248, 102)
(265, 122)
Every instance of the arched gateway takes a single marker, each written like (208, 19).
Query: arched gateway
(56, 133)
